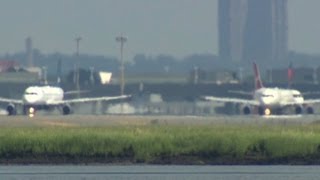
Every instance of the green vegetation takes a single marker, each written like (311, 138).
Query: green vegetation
(218, 144)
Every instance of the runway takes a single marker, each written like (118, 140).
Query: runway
(142, 120)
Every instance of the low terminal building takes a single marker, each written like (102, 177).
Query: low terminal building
(198, 76)
(10, 71)
(301, 75)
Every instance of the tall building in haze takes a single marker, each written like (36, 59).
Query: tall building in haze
(232, 22)
(253, 30)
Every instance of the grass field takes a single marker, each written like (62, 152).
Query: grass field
(163, 144)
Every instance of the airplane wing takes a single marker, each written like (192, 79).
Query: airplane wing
(14, 101)
(232, 100)
(75, 92)
(311, 101)
(241, 92)
(83, 100)
(310, 93)
(305, 102)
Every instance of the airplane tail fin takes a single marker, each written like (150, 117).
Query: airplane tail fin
(257, 79)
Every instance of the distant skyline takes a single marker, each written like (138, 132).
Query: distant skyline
(174, 27)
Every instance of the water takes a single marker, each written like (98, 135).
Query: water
(159, 172)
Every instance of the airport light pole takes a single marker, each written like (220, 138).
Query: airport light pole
(44, 75)
(92, 75)
(240, 75)
(77, 73)
(315, 76)
(121, 39)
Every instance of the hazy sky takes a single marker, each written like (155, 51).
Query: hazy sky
(175, 27)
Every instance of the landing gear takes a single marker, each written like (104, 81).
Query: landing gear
(29, 111)
(264, 111)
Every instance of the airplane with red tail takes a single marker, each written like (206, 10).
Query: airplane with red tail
(270, 100)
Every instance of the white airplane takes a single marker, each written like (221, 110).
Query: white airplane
(267, 101)
(46, 98)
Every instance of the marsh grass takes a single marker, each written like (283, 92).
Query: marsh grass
(153, 142)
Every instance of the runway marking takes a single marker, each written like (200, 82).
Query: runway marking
(59, 124)
(282, 116)
(133, 122)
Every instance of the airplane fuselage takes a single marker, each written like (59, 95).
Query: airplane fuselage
(268, 101)
(277, 97)
(42, 95)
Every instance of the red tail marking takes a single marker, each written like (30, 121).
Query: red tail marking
(257, 79)
(290, 73)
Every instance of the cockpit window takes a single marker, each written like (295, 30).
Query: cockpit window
(267, 95)
(297, 95)
(31, 93)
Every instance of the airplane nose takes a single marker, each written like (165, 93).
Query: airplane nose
(30, 99)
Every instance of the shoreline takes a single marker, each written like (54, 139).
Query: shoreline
(160, 161)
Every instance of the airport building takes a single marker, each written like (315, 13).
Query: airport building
(253, 30)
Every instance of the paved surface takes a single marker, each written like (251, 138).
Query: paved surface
(111, 120)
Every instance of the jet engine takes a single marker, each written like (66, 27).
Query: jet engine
(66, 109)
(246, 110)
(298, 110)
(309, 110)
(11, 109)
